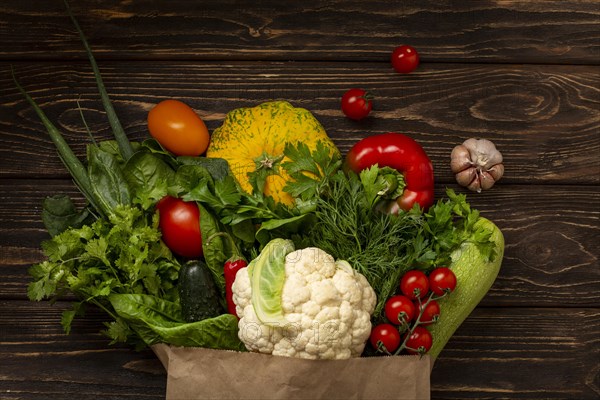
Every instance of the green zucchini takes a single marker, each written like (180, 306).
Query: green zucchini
(198, 292)
(475, 275)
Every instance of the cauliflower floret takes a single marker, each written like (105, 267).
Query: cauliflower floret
(327, 308)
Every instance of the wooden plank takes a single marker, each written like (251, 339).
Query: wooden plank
(544, 119)
(496, 353)
(550, 31)
(40, 362)
(516, 353)
(551, 240)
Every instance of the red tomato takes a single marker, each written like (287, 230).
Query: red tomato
(430, 312)
(178, 128)
(356, 103)
(405, 59)
(180, 226)
(387, 335)
(414, 284)
(442, 280)
(399, 308)
(420, 340)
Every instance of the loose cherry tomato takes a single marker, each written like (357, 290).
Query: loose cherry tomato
(405, 59)
(357, 103)
(414, 284)
(399, 309)
(179, 223)
(442, 280)
(430, 312)
(178, 128)
(420, 340)
(386, 335)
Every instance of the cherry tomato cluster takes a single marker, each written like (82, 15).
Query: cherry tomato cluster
(409, 312)
(357, 103)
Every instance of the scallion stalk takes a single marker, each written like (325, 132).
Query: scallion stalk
(115, 124)
(76, 168)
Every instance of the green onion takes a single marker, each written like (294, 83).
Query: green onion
(118, 132)
(69, 159)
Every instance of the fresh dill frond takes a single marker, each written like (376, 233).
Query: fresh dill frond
(378, 245)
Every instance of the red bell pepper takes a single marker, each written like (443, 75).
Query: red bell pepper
(230, 269)
(232, 266)
(403, 154)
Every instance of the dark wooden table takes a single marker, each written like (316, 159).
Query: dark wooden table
(523, 74)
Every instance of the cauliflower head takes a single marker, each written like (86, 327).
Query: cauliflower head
(326, 307)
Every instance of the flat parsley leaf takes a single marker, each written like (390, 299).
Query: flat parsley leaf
(309, 171)
(122, 255)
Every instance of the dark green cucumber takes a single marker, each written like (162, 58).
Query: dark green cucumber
(198, 292)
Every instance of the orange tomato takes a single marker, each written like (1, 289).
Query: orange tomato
(178, 128)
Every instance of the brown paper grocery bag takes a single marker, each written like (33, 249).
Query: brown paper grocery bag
(198, 373)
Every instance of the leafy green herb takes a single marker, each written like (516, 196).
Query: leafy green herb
(452, 222)
(59, 213)
(349, 225)
(122, 255)
(378, 245)
(381, 183)
(310, 170)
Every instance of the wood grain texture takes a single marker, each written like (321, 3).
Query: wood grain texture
(551, 240)
(522, 73)
(482, 31)
(484, 359)
(544, 119)
(521, 353)
(40, 362)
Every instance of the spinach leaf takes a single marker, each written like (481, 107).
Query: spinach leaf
(275, 228)
(217, 167)
(216, 249)
(152, 146)
(220, 195)
(159, 321)
(107, 179)
(148, 177)
(191, 178)
(112, 147)
(59, 213)
(153, 307)
(244, 231)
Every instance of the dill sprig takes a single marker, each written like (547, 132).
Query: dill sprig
(351, 224)
(378, 245)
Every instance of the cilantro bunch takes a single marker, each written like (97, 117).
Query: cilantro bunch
(123, 254)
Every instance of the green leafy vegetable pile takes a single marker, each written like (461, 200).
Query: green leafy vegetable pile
(110, 253)
(384, 246)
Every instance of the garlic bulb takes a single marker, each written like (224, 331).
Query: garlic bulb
(477, 164)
